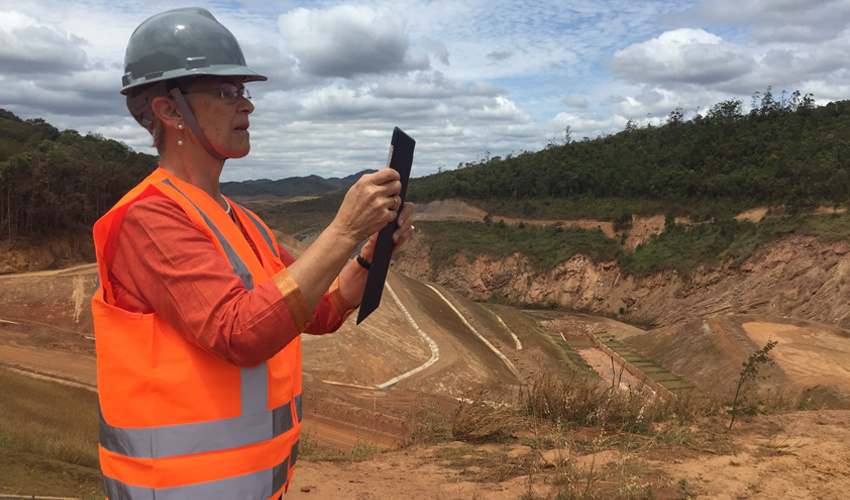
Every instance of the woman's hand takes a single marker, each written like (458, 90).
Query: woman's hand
(403, 232)
(371, 203)
(368, 206)
(352, 279)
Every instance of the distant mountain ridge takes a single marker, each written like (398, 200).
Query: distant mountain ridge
(290, 187)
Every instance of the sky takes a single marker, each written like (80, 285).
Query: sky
(467, 79)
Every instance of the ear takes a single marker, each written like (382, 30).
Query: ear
(167, 111)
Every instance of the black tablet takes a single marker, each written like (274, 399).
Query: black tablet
(400, 159)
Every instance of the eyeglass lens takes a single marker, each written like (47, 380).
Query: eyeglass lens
(230, 91)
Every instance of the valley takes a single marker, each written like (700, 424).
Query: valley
(433, 343)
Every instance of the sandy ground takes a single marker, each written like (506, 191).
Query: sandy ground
(796, 455)
(800, 455)
(808, 355)
(415, 473)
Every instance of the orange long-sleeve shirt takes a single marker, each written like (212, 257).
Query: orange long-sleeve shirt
(164, 263)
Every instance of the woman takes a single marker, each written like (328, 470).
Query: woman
(199, 311)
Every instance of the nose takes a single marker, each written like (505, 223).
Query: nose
(245, 105)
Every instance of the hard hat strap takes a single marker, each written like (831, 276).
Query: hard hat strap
(193, 123)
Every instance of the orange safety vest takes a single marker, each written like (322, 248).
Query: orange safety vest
(177, 422)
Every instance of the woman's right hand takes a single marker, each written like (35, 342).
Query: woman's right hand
(368, 205)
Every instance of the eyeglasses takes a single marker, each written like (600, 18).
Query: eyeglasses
(229, 93)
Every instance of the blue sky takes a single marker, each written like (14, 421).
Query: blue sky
(464, 78)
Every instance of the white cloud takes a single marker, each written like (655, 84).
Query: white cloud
(437, 48)
(685, 55)
(28, 46)
(349, 40)
(782, 21)
(576, 101)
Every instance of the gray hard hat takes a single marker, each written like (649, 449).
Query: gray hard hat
(180, 43)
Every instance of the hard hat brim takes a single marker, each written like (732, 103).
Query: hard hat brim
(248, 75)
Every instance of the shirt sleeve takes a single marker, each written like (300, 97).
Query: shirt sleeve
(163, 263)
(331, 311)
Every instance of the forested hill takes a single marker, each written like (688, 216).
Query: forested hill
(787, 152)
(53, 180)
(56, 181)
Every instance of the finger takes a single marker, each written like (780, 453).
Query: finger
(405, 227)
(382, 176)
(401, 235)
(369, 247)
(390, 202)
(406, 211)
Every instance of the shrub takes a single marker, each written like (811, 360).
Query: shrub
(482, 420)
(583, 400)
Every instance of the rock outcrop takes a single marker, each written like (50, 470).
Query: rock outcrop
(797, 276)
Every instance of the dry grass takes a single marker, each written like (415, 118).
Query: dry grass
(581, 400)
(484, 420)
(567, 420)
(48, 438)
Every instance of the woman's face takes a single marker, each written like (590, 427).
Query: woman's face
(224, 120)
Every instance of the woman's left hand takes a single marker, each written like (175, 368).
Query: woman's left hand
(352, 279)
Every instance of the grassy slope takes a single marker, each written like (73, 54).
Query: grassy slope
(48, 438)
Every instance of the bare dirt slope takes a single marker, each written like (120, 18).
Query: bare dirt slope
(709, 353)
(797, 276)
(61, 251)
(801, 455)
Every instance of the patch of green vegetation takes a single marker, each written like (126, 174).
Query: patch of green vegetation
(544, 247)
(61, 181)
(457, 453)
(48, 438)
(684, 249)
(650, 368)
(710, 244)
(607, 209)
(680, 248)
(786, 150)
(363, 450)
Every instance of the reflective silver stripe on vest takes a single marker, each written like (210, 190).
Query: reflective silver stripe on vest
(254, 381)
(185, 439)
(265, 234)
(298, 407)
(293, 455)
(239, 267)
(255, 486)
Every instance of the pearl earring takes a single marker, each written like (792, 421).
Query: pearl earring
(180, 142)
(180, 126)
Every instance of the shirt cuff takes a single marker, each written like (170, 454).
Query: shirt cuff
(295, 301)
(339, 302)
